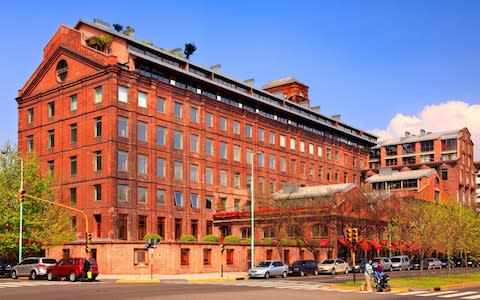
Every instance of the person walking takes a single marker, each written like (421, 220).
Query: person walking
(367, 286)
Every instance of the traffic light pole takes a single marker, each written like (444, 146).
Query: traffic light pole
(20, 238)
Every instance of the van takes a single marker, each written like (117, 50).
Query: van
(400, 262)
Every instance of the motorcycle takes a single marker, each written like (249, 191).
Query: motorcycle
(382, 283)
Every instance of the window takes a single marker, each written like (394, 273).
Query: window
(449, 145)
(73, 195)
(160, 167)
(194, 202)
(141, 131)
(161, 135)
(320, 172)
(271, 162)
(223, 203)
(293, 166)
(292, 143)
(140, 256)
(194, 173)
(223, 150)
(142, 163)
(261, 135)
(427, 158)
(122, 164)
(51, 166)
(30, 115)
(122, 193)
(177, 109)
(73, 103)
(236, 180)
(209, 119)
(30, 143)
(194, 114)
(178, 170)
(444, 174)
(208, 147)
(51, 138)
(208, 175)
(97, 161)
(97, 192)
(236, 153)
(246, 232)
(293, 230)
(229, 256)
(337, 155)
(272, 138)
(311, 171)
(408, 160)
(73, 133)
(283, 141)
(408, 148)
(207, 257)
(178, 228)
(320, 151)
(194, 228)
(248, 131)
(426, 146)
(97, 127)
(260, 160)
(249, 156)
(178, 139)
(51, 109)
(261, 184)
(160, 105)
(161, 226)
(236, 127)
(122, 227)
(236, 205)
(329, 153)
(160, 198)
(122, 127)
(302, 146)
(283, 164)
(223, 124)
(209, 227)
(73, 165)
(391, 150)
(142, 195)
(223, 178)
(74, 223)
(184, 257)
(272, 186)
(178, 199)
(122, 94)
(97, 95)
(142, 227)
(208, 202)
(268, 232)
(391, 162)
(311, 149)
(142, 99)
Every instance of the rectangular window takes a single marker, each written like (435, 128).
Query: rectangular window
(320, 172)
(283, 164)
(207, 257)
(184, 257)
(97, 192)
(97, 161)
(223, 202)
(209, 119)
(320, 151)
(292, 143)
(236, 180)
(223, 178)
(178, 170)
(73, 134)
(194, 114)
(122, 127)
(293, 166)
(142, 99)
(142, 195)
(161, 226)
(160, 197)
(194, 201)
(74, 223)
(236, 153)
(73, 165)
(178, 199)
(223, 124)
(142, 227)
(272, 138)
(209, 227)
(426, 146)
(283, 141)
(122, 227)
(160, 167)
(122, 193)
(141, 131)
(73, 103)
(161, 135)
(51, 109)
(208, 147)
(142, 163)
(51, 166)
(140, 256)
(97, 127)
(329, 153)
(271, 162)
(236, 127)
(223, 150)
(160, 105)
(444, 174)
(73, 195)
(194, 228)
(337, 156)
(208, 202)
(194, 173)
(261, 135)
(30, 115)
(302, 146)
(178, 228)
(122, 94)
(229, 256)
(97, 95)
(248, 131)
(261, 184)
(208, 176)
(311, 149)
(178, 139)
(260, 159)
(51, 138)
(391, 150)
(122, 163)
(177, 109)
(272, 186)
(194, 143)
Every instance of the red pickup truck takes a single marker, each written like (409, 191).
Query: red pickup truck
(73, 268)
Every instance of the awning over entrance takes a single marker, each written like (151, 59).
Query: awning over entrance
(324, 242)
(364, 245)
(375, 244)
(341, 241)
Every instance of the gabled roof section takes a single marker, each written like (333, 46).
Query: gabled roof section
(396, 176)
(444, 135)
(280, 82)
(314, 191)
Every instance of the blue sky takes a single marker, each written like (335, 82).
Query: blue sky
(380, 64)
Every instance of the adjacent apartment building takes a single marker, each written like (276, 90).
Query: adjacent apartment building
(146, 141)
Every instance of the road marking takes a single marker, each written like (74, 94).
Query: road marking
(437, 293)
(458, 294)
(471, 297)
(412, 293)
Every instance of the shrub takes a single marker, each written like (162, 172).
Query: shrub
(287, 242)
(268, 241)
(210, 238)
(248, 241)
(188, 238)
(231, 239)
(153, 236)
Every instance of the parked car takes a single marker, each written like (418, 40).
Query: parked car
(433, 263)
(462, 262)
(359, 266)
(34, 267)
(73, 268)
(415, 264)
(473, 263)
(6, 265)
(447, 262)
(333, 266)
(269, 268)
(387, 263)
(400, 262)
(303, 267)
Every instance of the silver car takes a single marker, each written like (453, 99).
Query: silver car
(269, 268)
(33, 267)
(433, 263)
(387, 263)
(333, 266)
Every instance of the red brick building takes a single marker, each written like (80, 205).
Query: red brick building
(146, 141)
(449, 154)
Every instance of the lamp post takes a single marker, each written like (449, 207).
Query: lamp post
(252, 215)
(389, 226)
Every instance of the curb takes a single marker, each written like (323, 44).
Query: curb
(173, 280)
(455, 286)
(344, 288)
(137, 281)
(216, 279)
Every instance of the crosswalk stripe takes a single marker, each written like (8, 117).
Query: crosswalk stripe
(458, 294)
(412, 293)
(437, 293)
(472, 297)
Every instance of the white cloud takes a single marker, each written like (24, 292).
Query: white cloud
(437, 117)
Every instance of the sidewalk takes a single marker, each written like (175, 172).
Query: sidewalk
(156, 278)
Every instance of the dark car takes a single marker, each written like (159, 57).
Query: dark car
(447, 262)
(6, 265)
(462, 262)
(359, 265)
(303, 267)
(415, 264)
(73, 268)
(473, 263)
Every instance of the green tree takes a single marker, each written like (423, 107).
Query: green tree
(43, 224)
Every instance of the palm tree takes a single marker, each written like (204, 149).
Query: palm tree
(118, 27)
(189, 49)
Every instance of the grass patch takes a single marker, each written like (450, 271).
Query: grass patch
(423, 282)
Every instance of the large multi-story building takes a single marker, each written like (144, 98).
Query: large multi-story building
(449, 154)
(146, 141)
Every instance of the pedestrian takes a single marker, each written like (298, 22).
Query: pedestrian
(367, 286)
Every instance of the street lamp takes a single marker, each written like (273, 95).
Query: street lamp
(389, 225)
(252, 216)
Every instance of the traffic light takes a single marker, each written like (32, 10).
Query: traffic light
(349, 235)
(87, 248)
(89, 237)
(355, 235)
(222, 247)
(21, 196)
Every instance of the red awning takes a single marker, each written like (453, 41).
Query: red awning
(341, 241)
(375, 244)
(324, 242)
(364, 245)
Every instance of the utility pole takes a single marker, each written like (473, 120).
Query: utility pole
(20, 238)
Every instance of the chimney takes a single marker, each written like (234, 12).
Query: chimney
(250, 82)
(292, 89)
(407, 133)
(216, 68)
(422, 132)
(316, 108)
(337, 117)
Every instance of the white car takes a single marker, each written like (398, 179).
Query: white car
(269, 268)
(333, 266)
